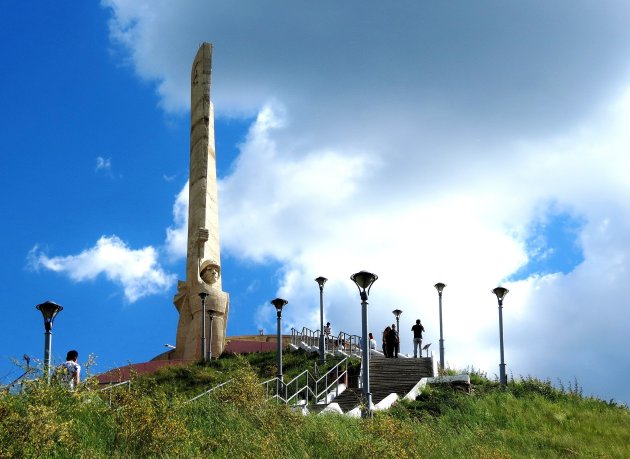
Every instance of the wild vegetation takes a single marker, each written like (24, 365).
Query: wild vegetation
(152, 418)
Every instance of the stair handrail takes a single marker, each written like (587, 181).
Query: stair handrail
(352, 343)
(325, 391)
(111, 386)
(296, 337)
(306, 389)
(310, 337)
(278, 382)
(15, 381)
(310, 388)
(210, 390)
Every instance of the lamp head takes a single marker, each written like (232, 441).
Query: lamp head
(500, 292)
(49, 311)
(397, 313)
(203, 295)
(440, 286)
(279, 303)
(212, 313)
(364, 281)
(321, 281)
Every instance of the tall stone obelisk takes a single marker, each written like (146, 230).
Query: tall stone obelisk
(203, 272)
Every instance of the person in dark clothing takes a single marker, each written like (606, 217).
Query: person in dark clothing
(395, 342)
(417, 330)
(392, 340)
(385, 346)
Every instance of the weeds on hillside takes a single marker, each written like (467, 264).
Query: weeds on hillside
(530, 418)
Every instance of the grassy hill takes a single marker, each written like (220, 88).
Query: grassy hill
(531, 418)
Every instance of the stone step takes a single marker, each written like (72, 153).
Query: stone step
(314, 409)
(387, 376)
(349, 399)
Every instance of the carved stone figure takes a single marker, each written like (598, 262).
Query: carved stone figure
(203, 269)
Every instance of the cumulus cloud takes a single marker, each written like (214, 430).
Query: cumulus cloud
(420, 142)
(137, 271)
(177, 234)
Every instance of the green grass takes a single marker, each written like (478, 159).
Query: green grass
(530, 418)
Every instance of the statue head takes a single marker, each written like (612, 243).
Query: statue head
(209, 271)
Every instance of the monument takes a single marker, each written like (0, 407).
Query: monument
(203, 259)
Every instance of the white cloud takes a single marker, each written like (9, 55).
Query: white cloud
(137, 271)
(103, 163)
(420, 144)
(177, 235)
(321, 214)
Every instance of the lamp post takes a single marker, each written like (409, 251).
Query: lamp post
(500, 292)
(49, 311)
(211, 314)
(364, 281)
(439, 287)
(397, 313)
(322, 354)
(279, 303)
(203, 296)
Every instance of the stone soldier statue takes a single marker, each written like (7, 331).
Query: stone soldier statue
(188, 304)
(203, 260)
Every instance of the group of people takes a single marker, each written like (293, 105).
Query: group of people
(391, 340)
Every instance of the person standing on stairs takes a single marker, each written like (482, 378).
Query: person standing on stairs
(417, 330)
(393, 341)
(327, 332)
(372, 341)
(385, 341)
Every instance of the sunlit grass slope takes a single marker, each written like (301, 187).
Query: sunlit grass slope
(152, 419)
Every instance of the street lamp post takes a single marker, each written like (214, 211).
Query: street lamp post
(500, 292)
(439, 287)
(397, 313)
(211, 314)
(49, 311)
(203, 296)
(364, 281)
(321, 281)
(279, 303)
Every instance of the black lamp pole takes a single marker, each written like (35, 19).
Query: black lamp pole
(322, 353)
(440, 287)
(364, 281)
(500, 292)
(279, 303)
(49, 311)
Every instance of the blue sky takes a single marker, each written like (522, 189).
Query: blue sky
(467, 144)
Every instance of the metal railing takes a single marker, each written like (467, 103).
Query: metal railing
(346, 342)
(306, 385)
(310, 337)
(286, 392)
(350, 344)
(20, 379)
(112, 386)
(296, 337)
(210, 390)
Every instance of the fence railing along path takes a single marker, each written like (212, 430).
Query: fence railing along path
(304, 386)
(345, 342)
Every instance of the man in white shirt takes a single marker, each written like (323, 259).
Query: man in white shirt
(71, 370)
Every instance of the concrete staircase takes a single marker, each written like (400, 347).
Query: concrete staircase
(387, 376)
(397, 376)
